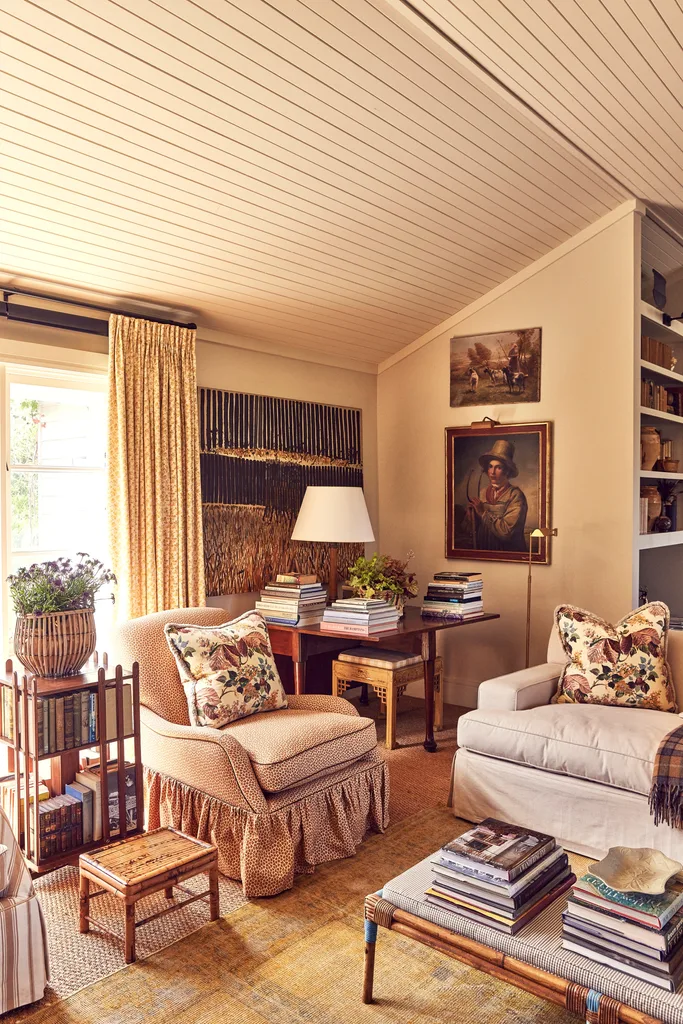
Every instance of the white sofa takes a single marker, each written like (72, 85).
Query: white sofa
(581, 772)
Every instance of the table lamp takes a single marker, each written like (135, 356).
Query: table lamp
(541, 531)
(333, 515)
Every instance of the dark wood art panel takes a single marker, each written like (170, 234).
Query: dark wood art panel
(258, 456)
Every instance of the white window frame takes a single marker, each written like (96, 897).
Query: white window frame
(11, 373)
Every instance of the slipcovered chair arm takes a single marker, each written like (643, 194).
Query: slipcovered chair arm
(209, 760)
(320, 702)
(518, 691)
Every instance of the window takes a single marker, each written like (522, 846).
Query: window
(55, 495)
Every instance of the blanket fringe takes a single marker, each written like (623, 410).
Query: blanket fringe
(666, 803)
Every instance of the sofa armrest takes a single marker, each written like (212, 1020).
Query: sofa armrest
(209, 760)
(321, 702)
(518, 691)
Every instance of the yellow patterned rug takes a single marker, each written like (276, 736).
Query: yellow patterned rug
(298, 957)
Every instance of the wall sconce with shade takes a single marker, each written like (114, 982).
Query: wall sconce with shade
(333, 515)
(541, 531)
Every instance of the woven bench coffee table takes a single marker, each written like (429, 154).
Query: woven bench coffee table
(533, 959)
(140, 866)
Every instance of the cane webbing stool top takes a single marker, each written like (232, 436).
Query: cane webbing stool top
(142, 865)
(388, 673)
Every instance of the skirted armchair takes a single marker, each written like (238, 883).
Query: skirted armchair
(24, 964)
(277, 792)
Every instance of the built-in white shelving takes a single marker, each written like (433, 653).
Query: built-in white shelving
(661, 371)
(659, 540)
(672, 335)
(658, 415)
(652, 474)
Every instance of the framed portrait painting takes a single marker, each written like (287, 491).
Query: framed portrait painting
(497, 491)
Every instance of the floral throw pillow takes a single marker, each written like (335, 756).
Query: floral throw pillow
(228, 671)
(623, 664)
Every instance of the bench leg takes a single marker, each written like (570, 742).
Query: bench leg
(369, 964)
(130, 933)
(213, 893)
(168, 892)
(84, 905)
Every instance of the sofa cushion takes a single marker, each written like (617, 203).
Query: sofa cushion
(610, 745)
(294, 746)
(622, 665)
(228, 671)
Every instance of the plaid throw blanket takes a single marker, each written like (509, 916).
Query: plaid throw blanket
(666, 792)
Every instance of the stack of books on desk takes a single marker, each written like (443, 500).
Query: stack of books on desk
(293, 599)
(640, 935)
(500, 875)
(360, 617)
(454, 595)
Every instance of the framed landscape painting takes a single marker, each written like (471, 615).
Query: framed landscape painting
(496, 369)
(497, 491)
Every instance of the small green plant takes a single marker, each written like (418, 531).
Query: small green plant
(59, 586)
(382, 574)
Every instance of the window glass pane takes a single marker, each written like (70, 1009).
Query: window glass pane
(57, 513)
(51, 426)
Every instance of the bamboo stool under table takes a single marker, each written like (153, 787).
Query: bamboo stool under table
(387, 681)
(143, 865)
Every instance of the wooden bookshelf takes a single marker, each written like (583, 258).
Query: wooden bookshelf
(25, 758)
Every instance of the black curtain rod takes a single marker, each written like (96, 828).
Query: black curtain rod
(7, 292)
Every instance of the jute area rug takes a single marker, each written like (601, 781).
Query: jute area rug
(298, 957)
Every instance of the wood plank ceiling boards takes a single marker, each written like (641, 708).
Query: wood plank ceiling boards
(333, 177)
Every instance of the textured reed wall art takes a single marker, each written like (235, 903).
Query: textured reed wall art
(258, 455)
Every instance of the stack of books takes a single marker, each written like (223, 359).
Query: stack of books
(454, 595)
(293, 599)
(360, 616)
(654, 351)
(70, 720)
(61, 825)
(500, 875)
(640, 935)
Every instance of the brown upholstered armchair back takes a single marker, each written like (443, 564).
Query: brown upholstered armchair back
(143, 640)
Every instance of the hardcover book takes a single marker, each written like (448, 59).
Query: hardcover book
(652, 911)
(506, 850)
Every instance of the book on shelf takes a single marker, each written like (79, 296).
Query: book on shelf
(91, 778)
(60, 826)
(8, 797)
(504, 849)
(643, 515)
(85, 796)
(658, 352)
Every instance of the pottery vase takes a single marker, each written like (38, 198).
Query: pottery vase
(654, 504)
(650, 445)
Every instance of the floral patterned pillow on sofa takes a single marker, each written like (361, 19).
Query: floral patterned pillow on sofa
(624, 664)
(228, 671)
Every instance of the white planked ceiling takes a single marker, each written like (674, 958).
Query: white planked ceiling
(325, 175)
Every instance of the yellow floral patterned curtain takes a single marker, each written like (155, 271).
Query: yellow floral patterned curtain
(154, 493)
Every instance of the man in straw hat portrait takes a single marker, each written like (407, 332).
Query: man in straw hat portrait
(498, 515)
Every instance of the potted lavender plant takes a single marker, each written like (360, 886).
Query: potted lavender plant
(54, 633)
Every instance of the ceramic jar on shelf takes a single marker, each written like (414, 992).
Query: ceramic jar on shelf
(650, 446)
(654, 503)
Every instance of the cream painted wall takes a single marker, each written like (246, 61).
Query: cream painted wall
(584, 302)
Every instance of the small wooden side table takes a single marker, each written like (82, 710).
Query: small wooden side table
(143, 865)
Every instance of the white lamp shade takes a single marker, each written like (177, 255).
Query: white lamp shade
(336, 515)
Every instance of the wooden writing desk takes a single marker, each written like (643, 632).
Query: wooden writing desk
(302, 642)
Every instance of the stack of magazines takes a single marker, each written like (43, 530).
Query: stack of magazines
(640, 935)
(500, 875)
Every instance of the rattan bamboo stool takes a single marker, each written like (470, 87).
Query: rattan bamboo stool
(140, 866)
(388, 683)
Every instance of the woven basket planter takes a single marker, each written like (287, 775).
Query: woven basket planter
(57, 644)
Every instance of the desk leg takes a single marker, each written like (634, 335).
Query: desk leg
(429, 656)
(298, 664)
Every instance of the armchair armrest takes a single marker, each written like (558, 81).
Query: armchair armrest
(321, 702)
(209, 760)
(518, 691)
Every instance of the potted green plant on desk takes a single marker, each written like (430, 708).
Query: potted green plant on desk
(54, 633)
(385, 577)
